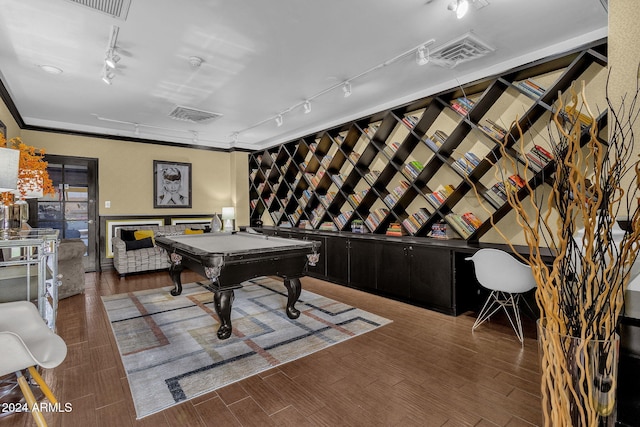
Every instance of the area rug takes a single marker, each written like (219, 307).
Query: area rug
(170, 351)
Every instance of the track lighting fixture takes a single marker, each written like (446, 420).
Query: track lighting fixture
(460, 7)
(279, 120)
(107, 76)
(307, 106)
(346, 89)
(422, 55)
(112, 58)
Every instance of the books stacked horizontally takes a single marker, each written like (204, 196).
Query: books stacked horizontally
(497, 194)
(285, 224)
(354, 157)
(538, 158)
(465, 165)
(531, 87)
(415, 221)
(342, 219)
(436, 140)
(465, 225)
(413, 169)
(493, 129)
(395, 229)
(375, 218)
(438, 197)
(584, 119)
(315, 180)
(326, 199)
(304, 224)
(356, 198)
(410, 121)
(305, 197)
(462, 105)
(392, 198)
(328, 226)
(439, 230)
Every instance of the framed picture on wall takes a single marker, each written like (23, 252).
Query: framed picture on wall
(171, 184)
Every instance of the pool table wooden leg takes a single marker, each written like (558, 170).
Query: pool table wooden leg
(222, 301)
(174, 271)
(294, 288)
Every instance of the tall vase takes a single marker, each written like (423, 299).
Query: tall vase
(13, 214)
(579, 378)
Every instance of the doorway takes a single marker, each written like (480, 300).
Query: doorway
(72, 209)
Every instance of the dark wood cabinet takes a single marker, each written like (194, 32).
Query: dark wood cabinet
(338, 260)
(431, 282)
(394, 270)
(363, 268)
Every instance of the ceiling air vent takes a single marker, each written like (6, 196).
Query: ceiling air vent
(462, 49)
(192, 115)
(116, 8)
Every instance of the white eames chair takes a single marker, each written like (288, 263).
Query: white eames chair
(507, 279)
(26, 342)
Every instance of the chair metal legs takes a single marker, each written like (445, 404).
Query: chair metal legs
(504, 300)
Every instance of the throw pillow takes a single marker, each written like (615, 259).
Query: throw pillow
(192, 231)
(127, 234)
(142, 234)
(131, 245)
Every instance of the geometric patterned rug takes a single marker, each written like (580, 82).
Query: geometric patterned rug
(171, 353)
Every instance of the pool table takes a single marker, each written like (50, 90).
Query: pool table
(228, 259)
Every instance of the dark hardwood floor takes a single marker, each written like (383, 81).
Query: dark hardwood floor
(424, 369)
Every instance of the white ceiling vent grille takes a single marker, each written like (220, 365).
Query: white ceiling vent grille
(192, 115)
(116, 8)
(462, 49)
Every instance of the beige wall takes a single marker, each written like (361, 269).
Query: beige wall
(126, 172)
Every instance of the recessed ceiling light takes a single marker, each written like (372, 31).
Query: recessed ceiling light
(50, 69)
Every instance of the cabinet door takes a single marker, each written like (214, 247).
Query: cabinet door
(431, 283)
(393, 269)
(337, 255)
(362, 264)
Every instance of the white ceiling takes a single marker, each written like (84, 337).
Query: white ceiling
(261, 58)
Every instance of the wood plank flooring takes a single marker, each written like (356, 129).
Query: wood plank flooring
(424, 369)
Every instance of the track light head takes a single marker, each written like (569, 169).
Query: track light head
(279, 120)
(112, 58)
(107, 76)
(307, 107)
(422, 55)
(346, 89)
(460, 7)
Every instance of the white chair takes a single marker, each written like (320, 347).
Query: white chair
(27, 342)
(507, 279)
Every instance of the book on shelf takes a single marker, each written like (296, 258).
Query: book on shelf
(410, 121)
(328, 226)
(414, 222)
(326, 161)
(375, 218)
(514, 183)
(462, 105)
(354, 156)
(461, 224)
(413, 169)
(493, 130)
(313, 146)
(342, 219)
(390, 149)
(285, 224)
(465, 167)
(439, 230)
(372, 176)
(531, 87)
(371, 130)
(395, 229)
(438, 197)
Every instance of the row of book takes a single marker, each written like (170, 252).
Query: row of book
(410, 121)
(316, 216)
(354, 156)
(538, 158)
(436, 140)
(390, 149)
(371, 130)
(416, 220)
(498, 191)
(441, 193)
(328, 226)
(466, 164)
(462, 105)
(326, 199)
(394, 196)
(356, 198)
(326, 161)
(338, 179)
(413, 169)
(494, 130)
(465, 225)
(531, 87)
(372, 176)
(375, 218)
(342, 219)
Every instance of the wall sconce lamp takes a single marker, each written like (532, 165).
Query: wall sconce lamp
(228, 215)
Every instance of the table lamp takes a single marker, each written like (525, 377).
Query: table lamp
(228, 215)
